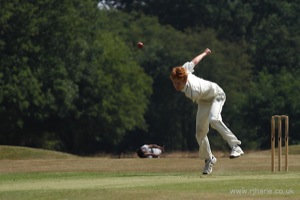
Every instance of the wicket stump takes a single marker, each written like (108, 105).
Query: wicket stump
(276, 123)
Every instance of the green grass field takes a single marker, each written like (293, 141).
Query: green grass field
(39, 174)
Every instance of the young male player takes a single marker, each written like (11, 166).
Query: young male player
(210, 98)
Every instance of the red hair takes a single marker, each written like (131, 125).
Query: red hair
(178, 73)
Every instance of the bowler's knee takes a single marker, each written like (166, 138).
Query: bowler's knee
(214, 122)
(201, 134)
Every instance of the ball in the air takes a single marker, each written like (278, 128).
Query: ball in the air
(140, 45)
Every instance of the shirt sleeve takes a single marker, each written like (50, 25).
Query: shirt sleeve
(189, 66)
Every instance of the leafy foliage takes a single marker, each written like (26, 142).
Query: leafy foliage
(265, 35)
(72, 78)
(65, 79)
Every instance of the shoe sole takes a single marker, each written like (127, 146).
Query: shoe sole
(232, 157)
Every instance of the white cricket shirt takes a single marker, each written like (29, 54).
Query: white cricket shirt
(198, 89)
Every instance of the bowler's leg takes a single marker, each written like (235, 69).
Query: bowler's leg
(202, 128)
(216, 122)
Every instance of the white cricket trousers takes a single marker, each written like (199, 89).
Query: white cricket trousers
(209, 113)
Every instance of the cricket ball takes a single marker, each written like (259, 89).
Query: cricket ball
(140, 45)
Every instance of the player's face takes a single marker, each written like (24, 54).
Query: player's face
(178, 84)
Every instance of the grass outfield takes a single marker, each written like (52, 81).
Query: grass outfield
(38, 174)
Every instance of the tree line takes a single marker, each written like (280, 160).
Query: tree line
(73, 80)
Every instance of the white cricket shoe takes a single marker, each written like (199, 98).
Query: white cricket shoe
(236, 152)
(208, 168)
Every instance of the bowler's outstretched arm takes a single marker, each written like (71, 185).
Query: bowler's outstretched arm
(198, 58)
